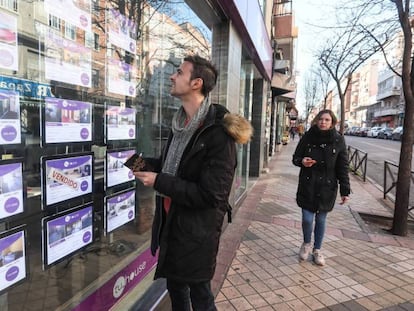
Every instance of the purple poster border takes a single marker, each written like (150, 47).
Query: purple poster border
(120, 284)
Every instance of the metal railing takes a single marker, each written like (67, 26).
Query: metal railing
(390, 182)
(357, 161)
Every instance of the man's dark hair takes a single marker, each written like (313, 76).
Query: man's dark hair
(205, 70)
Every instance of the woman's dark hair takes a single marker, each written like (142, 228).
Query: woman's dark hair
(205, 70)
(319, 115)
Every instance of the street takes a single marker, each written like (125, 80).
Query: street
(378, 150)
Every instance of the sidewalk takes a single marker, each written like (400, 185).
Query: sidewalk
(258, 267)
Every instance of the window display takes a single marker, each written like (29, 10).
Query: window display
(116, 172)
(65, 177)
(66, 121)
(119, 209)
(13, 261)
(66, 233)
(9, 118)
(84, 85)
(120, 123)
(11, 188)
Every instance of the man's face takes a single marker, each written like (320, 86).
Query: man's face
(181, 83)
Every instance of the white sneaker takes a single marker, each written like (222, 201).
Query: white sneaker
(305, 250)
(318, 257)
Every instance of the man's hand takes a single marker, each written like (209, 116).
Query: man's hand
(344, 199)
(147, 178)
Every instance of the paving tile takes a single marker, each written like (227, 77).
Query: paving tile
(241, 304)
(230, 292)
(297, 304)
(282, 307)
(271, 297)
(246, 289)
(225, 306)
(256, 301)
(312, 302)
(368, 303)
(339, 295)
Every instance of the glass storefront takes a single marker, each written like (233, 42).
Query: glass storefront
(84, 84)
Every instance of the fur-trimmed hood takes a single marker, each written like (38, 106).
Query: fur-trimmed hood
(238, 127)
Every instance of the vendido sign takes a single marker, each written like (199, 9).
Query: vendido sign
(26, 88)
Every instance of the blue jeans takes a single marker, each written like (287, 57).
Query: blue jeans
(199, 294)
(307, 226)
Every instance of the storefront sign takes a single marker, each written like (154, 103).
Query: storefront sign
(125, 280)
(26, 88)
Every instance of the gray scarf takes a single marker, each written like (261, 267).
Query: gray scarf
(182, 134)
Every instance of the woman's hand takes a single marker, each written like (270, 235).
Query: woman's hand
(147, 178)
(308, 162)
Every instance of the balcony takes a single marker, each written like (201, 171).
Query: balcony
(281, 66)
(282, 83)
(394, 91)
(386, 112)
(283, 27)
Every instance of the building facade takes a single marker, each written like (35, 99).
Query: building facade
(83, 85)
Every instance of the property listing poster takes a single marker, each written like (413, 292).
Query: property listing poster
(12, 259)
(11, 189)
(117, 173)
(121, 78)
(67, 61)
(121, 123)
(75, 12)
(120, 209)
(121, 31)
(68, 178)
(8, 42)
(68, 233)
(67, 120)
(9, 118)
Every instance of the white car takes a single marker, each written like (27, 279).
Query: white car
(373, 132)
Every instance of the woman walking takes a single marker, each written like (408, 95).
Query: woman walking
(322, 156)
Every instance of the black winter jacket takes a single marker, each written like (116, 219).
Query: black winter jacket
(188, 236)
(318, 185)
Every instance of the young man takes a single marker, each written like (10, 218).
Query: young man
(193, 179)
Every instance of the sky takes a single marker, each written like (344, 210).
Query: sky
(308, 13)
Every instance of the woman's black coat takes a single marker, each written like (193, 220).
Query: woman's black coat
(188, 235)
(318, 185)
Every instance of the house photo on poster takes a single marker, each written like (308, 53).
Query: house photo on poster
(120, 123)
(13, 263)
(11, 188)
(116, 172)
(9, 118)
(66, 232)
(66, 121)
(119, 209)
(8, 42)
(65, 177)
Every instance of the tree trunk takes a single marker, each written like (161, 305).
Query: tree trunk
(402, 197)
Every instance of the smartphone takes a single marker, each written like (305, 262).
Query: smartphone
(136, 163)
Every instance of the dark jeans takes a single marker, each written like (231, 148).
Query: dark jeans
(199, 294)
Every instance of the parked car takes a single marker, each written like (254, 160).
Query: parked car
(397, 133)
(373, 132)
(385, 133)
(362, 131)
(354, 130)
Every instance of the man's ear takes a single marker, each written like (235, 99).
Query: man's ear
(197, 84)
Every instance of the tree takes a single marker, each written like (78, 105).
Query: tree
(350, 46)
(311, 91)
(403, 68)
(400, 226)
